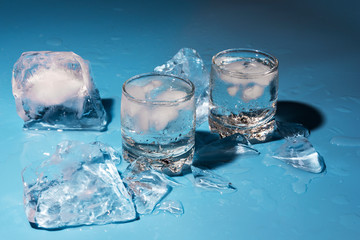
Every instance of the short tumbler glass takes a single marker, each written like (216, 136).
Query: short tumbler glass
(158, 121)
(243, 93)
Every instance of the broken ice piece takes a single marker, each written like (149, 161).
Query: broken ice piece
(147, 186)
(300, 153)
(210, 180)
(225, 148)
(287, 129)
(109, 152)
(169, 206)
(188, 64)
(54, 90)
(77, 185)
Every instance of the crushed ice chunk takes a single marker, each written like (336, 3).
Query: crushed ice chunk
(288, 130)
(109, 152)
(170, 206)
(207, 179)
(77, 185)
(188, 64)
(54, 90)
(300, 153)
(147, 186)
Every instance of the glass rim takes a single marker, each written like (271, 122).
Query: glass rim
(247, 50)
(188, 96)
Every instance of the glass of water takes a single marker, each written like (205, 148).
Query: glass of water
(243, 93)
(158, 121)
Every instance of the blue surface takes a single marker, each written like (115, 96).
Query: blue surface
(317, 45)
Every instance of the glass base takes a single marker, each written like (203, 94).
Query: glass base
(262, 133)
(174, 165)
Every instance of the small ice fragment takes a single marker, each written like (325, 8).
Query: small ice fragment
(77, 185)
(287, 129)
(300, 153)
(188, 64)
(210, 180)
(169, 206)
(233, 145)
(253, 92)
(54, 90)
(109, 152)
(147, 186)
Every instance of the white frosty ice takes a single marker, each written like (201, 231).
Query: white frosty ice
(148, 115)
(251, 76)
(77, 185)
(54, 90)
(188, 64)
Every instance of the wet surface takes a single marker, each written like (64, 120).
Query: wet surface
(317, 46)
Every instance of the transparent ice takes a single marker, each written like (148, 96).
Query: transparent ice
(147, 186)
(300, 153)
(54, 90)
(288, 130)
(77, 185)
(188, 64)
(205, 178)
(169, 206)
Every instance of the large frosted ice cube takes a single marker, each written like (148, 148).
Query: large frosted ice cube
(54, 90)
(300, 153)
(188, 64)
(78, 185)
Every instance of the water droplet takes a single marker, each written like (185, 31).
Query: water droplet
(345, 141)
(343, 109)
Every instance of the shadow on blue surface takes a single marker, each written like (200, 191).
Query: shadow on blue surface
(297, 112)
(203, 138)
(108, 104)
(35, 226)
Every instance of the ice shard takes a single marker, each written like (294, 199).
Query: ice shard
(147, 186)
(77, 185)
(188, 64)
(300, 153)
(207, 179)
(287, 129)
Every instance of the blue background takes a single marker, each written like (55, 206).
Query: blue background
(317, 44)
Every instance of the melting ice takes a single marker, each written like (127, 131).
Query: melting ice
(300, 153)
(205, 178)
(54, 90)
(147, 186)
(188, 64)
(78, 185)
(169, 206)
